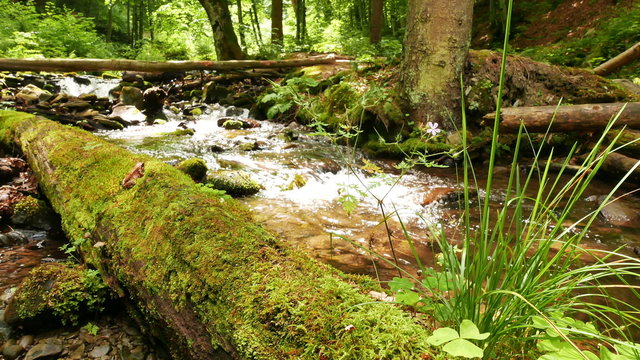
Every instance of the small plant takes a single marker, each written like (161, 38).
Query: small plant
(459, 344)
(91, 328)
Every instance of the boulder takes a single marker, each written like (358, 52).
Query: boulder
(130, 95)
(32, 94)
(153, 100)
(194, 167)
(47, 350)
(235, 183)
(128, 113)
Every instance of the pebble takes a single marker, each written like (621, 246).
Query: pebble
(43, 351)
(12, 351)
(100, 351)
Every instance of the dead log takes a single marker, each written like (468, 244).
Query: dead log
(628, 139)
(152, 66)
(617, 165)
(579, 118)
(619, 61)
(210, 283)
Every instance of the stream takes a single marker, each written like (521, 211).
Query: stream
(306, 181)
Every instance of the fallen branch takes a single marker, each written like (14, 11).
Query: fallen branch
(619, 61)
(148, 66)
(579, 118)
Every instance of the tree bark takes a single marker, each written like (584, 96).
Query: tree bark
(617, 165)
(209, 282)
(243, 41)
(256, 22)
(619, 61)
(435, 48)
(629, 140)
(377, 20)
(134, 65)
(585, 118)
(277, 35)
(224, 37)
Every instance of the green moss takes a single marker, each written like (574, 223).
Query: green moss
(194, 167)
(61, 290)
(234, 183)
(180, 132)
(170, 239)
(27, 207)
(232, 124)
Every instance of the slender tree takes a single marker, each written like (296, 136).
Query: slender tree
(435, 48)
(377, 21)
(241, 28)
(277, 35)
(224, 38)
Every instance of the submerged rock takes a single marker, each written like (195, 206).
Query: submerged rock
(235, 123)
(194, 167)
(235, 183)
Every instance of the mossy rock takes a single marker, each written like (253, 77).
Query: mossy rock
(56, 293)
(33, 212)
(180, 132)
(194, 167)
(235, 183)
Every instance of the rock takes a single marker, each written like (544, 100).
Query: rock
(26, 341)
(78, 352)
(13, 238)
(329, 166)
(33, 212)
(216, 149)
(249, 146)
(116, 123)
(88, 97)
(44, 351)
(153, 100)
(100, 351)
(5, 329)
(55, 293)
(32, 94)
(128, 113)
(11, 352)
(446, 195)
(629, 85)
(230, 123)
(4, 298)
(233, 111)
(82, 80)
(213, 93)
(136, 353)
(235, 183)
(194, 167)
(76, 105)
(618, 213)
(130, 95)
(237, 123)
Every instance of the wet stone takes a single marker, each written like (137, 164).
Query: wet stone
(100, 351)
(44, 351)
(26, 341)
(78, 352)
(11, 352)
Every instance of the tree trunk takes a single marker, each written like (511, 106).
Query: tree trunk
(629, 139)
(435, 47)
(256, 21)
(243, 41)
(134, 65)
(277, 36)
(110, 22)
(224, 38)
(617, 165)
(210, 284)
(619, 61)
(585, 118)
(377, 20)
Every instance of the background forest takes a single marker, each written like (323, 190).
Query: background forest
(179, 29)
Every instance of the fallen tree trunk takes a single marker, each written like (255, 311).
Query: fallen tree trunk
(209, 282)
(617, 165)
(580, 118)
(619, 61)
(628, 139)
(150, 66)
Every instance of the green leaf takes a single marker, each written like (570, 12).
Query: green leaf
(442, 335)
(628, 351)
(272, 112)
(463, 348)
(397, 284)
(469, 330)
(269, 97)
(408, 298)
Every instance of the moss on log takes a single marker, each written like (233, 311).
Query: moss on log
(211, 284)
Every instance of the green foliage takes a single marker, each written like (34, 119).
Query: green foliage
(55, 33)
(559, 334)
(612, 37)
(458, 344)
(91, 328)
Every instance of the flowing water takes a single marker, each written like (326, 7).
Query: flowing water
(306, 182)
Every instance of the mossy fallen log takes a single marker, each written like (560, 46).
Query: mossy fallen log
(210, 283)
